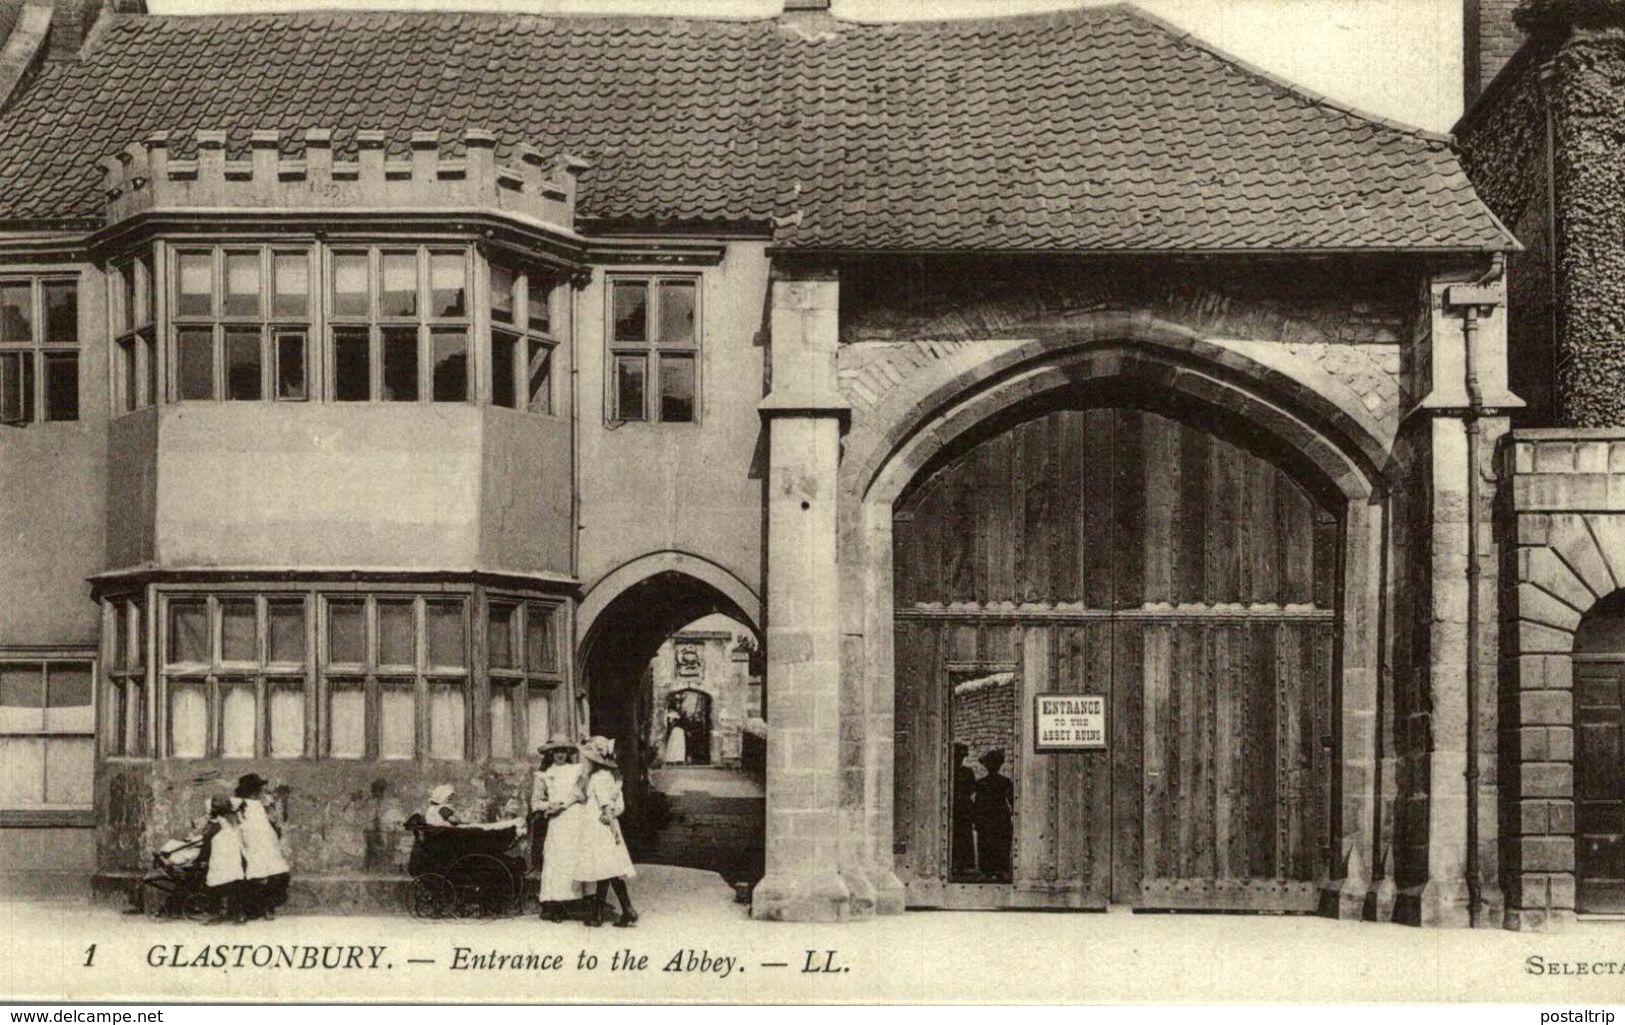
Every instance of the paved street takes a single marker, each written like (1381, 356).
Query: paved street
(935, 956)
(715, 781)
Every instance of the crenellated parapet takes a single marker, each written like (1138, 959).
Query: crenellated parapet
(324, 169)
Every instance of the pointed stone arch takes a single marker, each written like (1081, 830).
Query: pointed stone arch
(904, 431)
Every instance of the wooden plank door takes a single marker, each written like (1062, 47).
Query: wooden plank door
(1075, 798)
(1162, 563)
(1599, 786)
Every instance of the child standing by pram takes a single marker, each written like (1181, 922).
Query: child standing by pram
(601, 858)
(223, 860)
(265, 870)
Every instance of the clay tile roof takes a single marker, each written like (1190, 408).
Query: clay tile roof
(1094, 129)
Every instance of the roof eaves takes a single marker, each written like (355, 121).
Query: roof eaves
(363, 16)
(1280, 83)
(822, 250)
(1513, 246)
(1040, 17)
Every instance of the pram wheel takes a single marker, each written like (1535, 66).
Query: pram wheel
(197, 907)
(432, 896)
(484, 886)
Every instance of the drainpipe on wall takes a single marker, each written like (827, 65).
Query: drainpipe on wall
(1472, 299)
(578, 711)
(1546, 79)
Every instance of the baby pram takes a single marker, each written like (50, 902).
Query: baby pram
(465, 871)
(175, 888)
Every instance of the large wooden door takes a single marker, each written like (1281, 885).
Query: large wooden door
(1599, 786)
(1158, 561)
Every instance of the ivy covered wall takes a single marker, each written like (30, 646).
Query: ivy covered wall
(1567, 207)
(1587, 96)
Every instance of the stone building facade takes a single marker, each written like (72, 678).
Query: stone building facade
(385, 401)
(701, 679)
(1541, 145)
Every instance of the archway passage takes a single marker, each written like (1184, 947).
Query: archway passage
(643, 628)
(1599, 758)
(1115, 624)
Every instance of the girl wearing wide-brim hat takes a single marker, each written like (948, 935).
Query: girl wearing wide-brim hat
(601, 855)
(557, 793)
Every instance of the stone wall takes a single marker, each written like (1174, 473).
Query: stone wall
(688, 488)
(983, 711)
(356, 485)
(340, 819)
(53, 493)
(959, 299)
(1337, 330)
(1562, 551)
(1492, 39)
(46, 862)
(721, 671)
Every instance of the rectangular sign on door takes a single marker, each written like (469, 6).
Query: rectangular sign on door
(1069, 722)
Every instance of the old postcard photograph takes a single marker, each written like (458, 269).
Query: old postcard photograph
(812, 501)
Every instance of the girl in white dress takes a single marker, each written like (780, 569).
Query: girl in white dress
(602, 858)
(557, 793)
(676, 746)
(223, 849)
(265, 869)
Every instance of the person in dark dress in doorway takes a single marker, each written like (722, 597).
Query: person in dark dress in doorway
(994, 807)
(964, 827)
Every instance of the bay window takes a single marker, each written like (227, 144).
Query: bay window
(241, 324)
(526, 679)
(522, 338)
(396, 673)
(342, 323)
(125, 708)
(131, 300)
(399, 325)
(328, 671)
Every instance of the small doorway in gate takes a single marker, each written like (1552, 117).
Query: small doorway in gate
(1599, 758)
(688, 727)
(982, 807)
